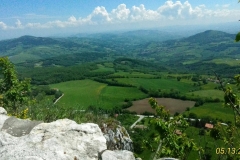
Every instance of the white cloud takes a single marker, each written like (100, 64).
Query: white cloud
(170, 12)
(71, 22)
(34, 25)
(99, 15)
(181, 10)
(3, 25)
(225, 5)
(170, 9)
(141, 13)
(72, 19)
(121, 13)
(19, 24)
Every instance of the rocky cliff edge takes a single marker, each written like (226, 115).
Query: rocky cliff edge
(63, 139)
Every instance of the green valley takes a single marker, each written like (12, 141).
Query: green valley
(116, 74)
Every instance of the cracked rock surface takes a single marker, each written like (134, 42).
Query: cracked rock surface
(63, 139)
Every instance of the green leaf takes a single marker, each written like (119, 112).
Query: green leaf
(237, 37)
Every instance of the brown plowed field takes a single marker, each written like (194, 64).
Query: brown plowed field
(173, 105)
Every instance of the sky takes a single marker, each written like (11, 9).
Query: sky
(59, 17)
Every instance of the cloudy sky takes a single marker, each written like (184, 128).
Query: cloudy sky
(52, 17)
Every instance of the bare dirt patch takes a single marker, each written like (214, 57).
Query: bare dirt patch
(173, 105)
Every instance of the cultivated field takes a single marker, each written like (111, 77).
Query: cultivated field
(214, 110)
(163, 84)
(102, 68)
(133, 74)
(209, 93)
(82, 93)
(173, 105)
(79, 93)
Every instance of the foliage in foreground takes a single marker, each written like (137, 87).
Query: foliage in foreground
(179, 146)
(172, 144)
(14, 94)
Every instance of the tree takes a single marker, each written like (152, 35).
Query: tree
(230, 134)
(14, 93)
(173, 145)
(178, 78)
(192, 115)
(237, 37)
(204, 81)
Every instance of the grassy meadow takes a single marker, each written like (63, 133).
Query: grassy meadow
(82, 93)
(103, 68)
(163, 84)
(214, 110)
(213, 93)
(133, 74)
(79, 93)
(228, 61)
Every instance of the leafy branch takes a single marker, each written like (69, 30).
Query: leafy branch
(172, 144)
(14, 93)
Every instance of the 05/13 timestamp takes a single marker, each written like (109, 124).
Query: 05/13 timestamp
(228, 151)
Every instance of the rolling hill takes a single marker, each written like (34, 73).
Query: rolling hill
(210, 36)
(214, 49)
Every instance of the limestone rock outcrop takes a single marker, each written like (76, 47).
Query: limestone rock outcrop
(63, 139)
(118, 138)
(117, 155)
(19, 127)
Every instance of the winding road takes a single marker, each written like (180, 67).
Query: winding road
(139, 119)
(58, 99)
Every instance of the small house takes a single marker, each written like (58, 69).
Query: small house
(208, 126)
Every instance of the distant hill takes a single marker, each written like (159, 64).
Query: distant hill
(210, 36)
(27, 48)
(26, 41)
(151, 35)
(138, 35)
(142, 44)
(206, 46)
(31, 41)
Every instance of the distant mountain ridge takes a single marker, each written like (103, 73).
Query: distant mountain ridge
(25, 40)
(147, 35)
(210, 36)
(30, 41)
(146, 44)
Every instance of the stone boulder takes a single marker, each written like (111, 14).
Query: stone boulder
(63, 139)
(117, 155)
(19, 127)
(60, 140)
(118, 138)
(3, 116)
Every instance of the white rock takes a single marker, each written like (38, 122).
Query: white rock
(60, 140)
(3, 118)
(118, 139)
(117, 155)
(18, 127)
(3, 111)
